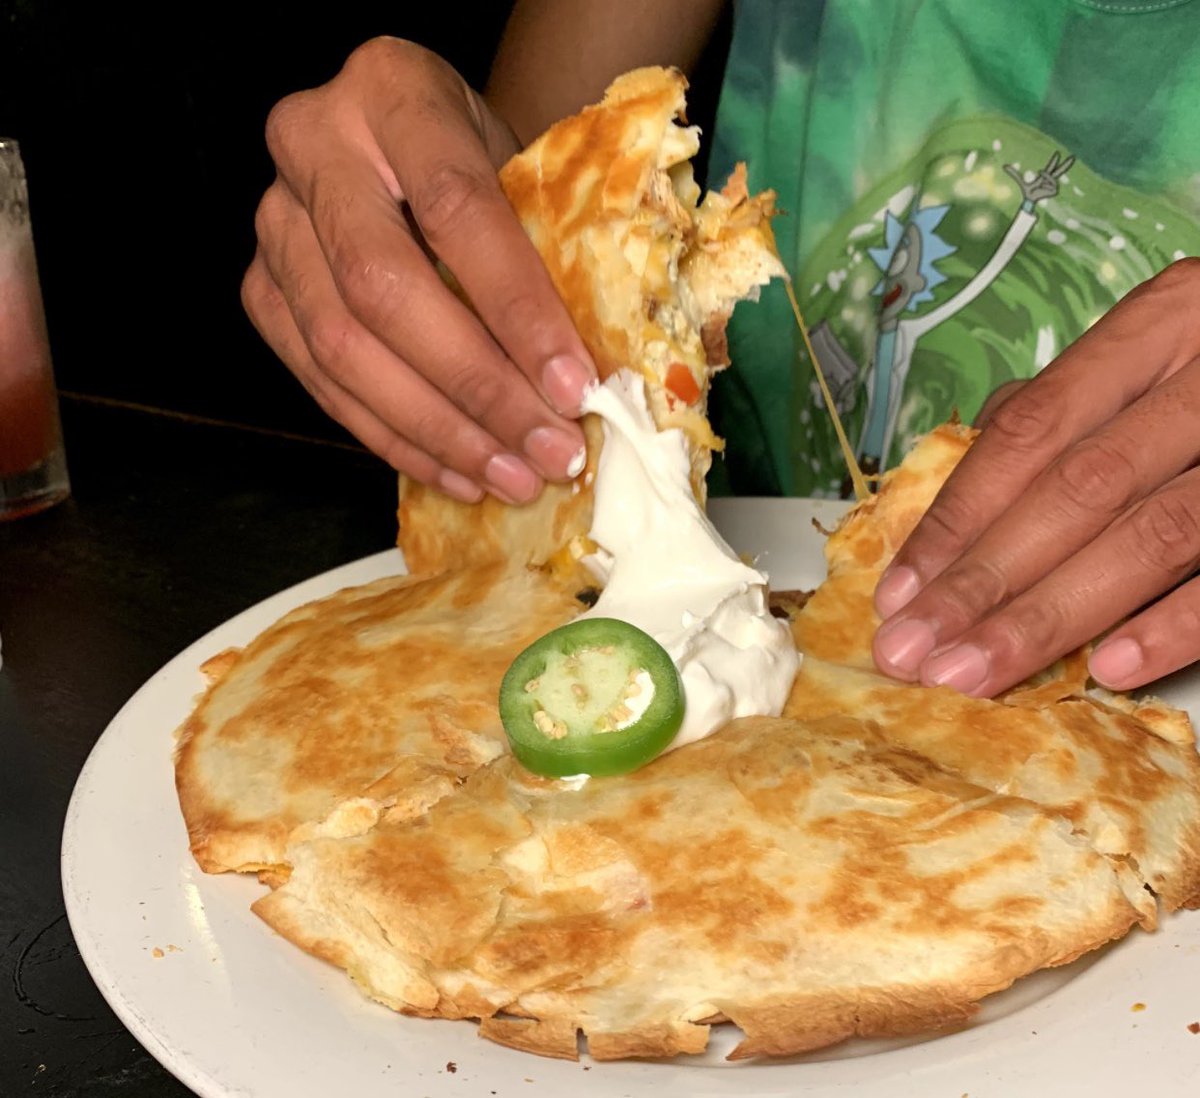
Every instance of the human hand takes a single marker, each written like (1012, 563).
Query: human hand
(385, 169)
(1078, 505)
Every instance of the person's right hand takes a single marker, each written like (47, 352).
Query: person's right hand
(389, 166)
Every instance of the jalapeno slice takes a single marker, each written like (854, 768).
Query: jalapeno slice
(597, 696)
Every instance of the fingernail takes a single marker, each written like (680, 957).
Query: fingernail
(962, 668)
(565, 378)
(557, 453)
(456, 485)
(1117, 661)
(903, 645)
(512, 478)
(897, 589)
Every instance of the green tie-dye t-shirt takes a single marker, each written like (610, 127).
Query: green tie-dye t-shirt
(969, 186)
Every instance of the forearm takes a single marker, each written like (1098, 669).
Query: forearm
(555, 57)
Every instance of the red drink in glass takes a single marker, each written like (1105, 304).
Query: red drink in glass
(33, 472)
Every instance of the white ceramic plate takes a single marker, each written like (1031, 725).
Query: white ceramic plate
(231, 1009)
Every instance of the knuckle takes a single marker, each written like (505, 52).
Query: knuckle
(1097, 475)
(971, 589)
(526, 314)
(369, 288)
(951, 520)
(269, 213)
(1029, 631)
(331, 341)
(263, 301)
(480, 393)
(383, 53)
(1185, 622)
(1166, 534)
(427, 430)
(287, 120)
(255, 295)
(1182, 275)
(449, 195)
(405, 458)
(1024, 421)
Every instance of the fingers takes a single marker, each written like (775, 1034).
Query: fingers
(435, 159)
(1151, 334)
(1158, 641)
(1148, 551)
(455, 197)
(342, 349)
(1084, 491)
(268, 310)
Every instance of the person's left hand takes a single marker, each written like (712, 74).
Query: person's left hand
(1078, 505)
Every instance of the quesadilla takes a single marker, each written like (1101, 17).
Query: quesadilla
(803, 879)
(872, 862)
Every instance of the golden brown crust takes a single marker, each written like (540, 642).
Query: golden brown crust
(216, 666)
(555, 1038)
(839, 622)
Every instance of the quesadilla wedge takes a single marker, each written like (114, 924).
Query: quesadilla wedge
(320, 711)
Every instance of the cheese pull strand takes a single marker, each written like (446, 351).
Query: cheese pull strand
(861, 491)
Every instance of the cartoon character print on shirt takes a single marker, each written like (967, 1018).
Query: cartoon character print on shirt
(909, 263)
(975, 264)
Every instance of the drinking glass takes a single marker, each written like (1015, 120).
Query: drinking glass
(33, 465)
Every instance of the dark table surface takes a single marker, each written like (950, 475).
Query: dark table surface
(174, 526)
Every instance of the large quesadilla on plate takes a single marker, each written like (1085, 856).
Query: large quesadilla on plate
(857, 856)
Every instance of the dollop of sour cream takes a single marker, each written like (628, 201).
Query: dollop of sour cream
(666, 570)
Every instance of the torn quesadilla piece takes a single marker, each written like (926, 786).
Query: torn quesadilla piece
(838, 622)
(804, 879)
(375, 701)
(650, 272)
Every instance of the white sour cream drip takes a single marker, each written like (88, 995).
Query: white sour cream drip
(666, 570)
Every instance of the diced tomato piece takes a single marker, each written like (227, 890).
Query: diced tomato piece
(681, 383)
